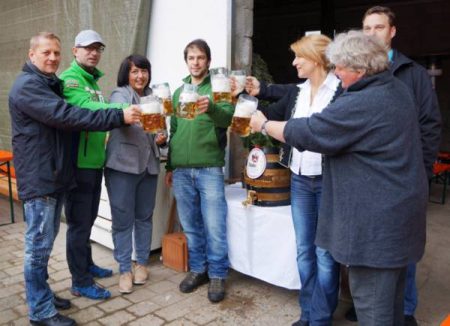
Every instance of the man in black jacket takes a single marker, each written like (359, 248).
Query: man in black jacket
(41, 138)
(379, 22)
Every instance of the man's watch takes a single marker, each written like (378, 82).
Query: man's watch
(263, 128)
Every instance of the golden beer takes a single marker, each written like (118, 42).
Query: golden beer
(151, 114)
(153, 122)
(187, 110)
(245, 107)
(222, 97)
(220, 84)
(241, 126)
(167, 106)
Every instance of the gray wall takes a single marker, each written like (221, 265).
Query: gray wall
(123, 25)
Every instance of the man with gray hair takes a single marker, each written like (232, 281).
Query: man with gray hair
(374, 196)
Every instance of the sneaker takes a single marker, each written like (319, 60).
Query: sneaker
(140, 274)
(56, 320)
(193, 281)
(216, 290)
(99, 272)
(126, 282)
(93, 291)
(410, 320)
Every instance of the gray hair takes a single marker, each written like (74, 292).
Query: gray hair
(357, 51)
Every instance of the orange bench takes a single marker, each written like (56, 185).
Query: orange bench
(441, 172)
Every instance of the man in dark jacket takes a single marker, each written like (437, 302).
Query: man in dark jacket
(41, 138)
(379, 22)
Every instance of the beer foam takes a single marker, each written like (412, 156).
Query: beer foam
(221, 84)
(151, 108)
(161, 92)
(245, 109)
(188, 97)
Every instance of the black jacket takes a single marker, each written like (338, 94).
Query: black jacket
(41, 132)
(283, 109)
(418, 81)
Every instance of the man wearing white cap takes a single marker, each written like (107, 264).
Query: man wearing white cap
(81, 89)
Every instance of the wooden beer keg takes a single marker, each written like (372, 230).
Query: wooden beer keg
(272, 188)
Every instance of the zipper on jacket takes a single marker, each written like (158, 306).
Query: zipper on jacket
(86, 138)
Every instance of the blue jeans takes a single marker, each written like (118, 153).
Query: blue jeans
(410, 302)
(42, 215)
(132, 199)
(319, 273)
(202, 209)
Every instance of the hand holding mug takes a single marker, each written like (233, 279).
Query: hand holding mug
(132, 114)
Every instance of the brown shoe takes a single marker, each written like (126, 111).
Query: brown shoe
(126, 283)
(140, 274)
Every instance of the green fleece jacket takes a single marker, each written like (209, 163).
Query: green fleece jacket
(81, 89)
(199, 142)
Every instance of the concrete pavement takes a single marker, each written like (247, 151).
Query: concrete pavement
(248, 302)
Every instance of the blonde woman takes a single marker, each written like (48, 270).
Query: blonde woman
(319, 273)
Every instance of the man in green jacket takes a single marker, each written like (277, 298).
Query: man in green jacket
(81, 207)
(195, 169)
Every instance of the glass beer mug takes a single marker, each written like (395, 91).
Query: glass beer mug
(220, 83)
(187, 102)
(152, 119)
(240, 77)
(163, 92)
(245, 107)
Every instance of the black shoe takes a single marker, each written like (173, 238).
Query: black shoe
(56, 320)
(301, 323)
(61, 303)
(410, 321)
(193, 281)
(216, 290)
(350, 315)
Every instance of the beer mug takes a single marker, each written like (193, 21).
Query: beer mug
(220, 83)
(245, 107)
(163, 92)
(240, 77)
(152, 119)
(187, 102)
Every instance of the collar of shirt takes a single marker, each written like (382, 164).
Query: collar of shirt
(391, 55)
(331, 82)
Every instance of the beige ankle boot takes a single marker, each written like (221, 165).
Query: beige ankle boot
(126, 283)
(140, 274)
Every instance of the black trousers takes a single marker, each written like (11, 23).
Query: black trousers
(81, 210)
(378, 295)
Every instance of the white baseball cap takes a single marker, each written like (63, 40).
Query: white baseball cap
(88, 37)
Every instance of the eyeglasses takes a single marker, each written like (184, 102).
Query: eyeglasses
(91, 48)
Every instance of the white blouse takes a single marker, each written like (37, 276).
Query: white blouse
(306, 162)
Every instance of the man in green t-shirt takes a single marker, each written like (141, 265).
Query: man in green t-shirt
(81, 207)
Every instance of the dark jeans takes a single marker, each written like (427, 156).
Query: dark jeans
(378, 295)
(81, 209)
(132, 199)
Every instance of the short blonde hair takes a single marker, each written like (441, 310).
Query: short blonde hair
(34, 41)
(313, 47)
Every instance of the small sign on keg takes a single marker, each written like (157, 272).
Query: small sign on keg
(256, 163)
